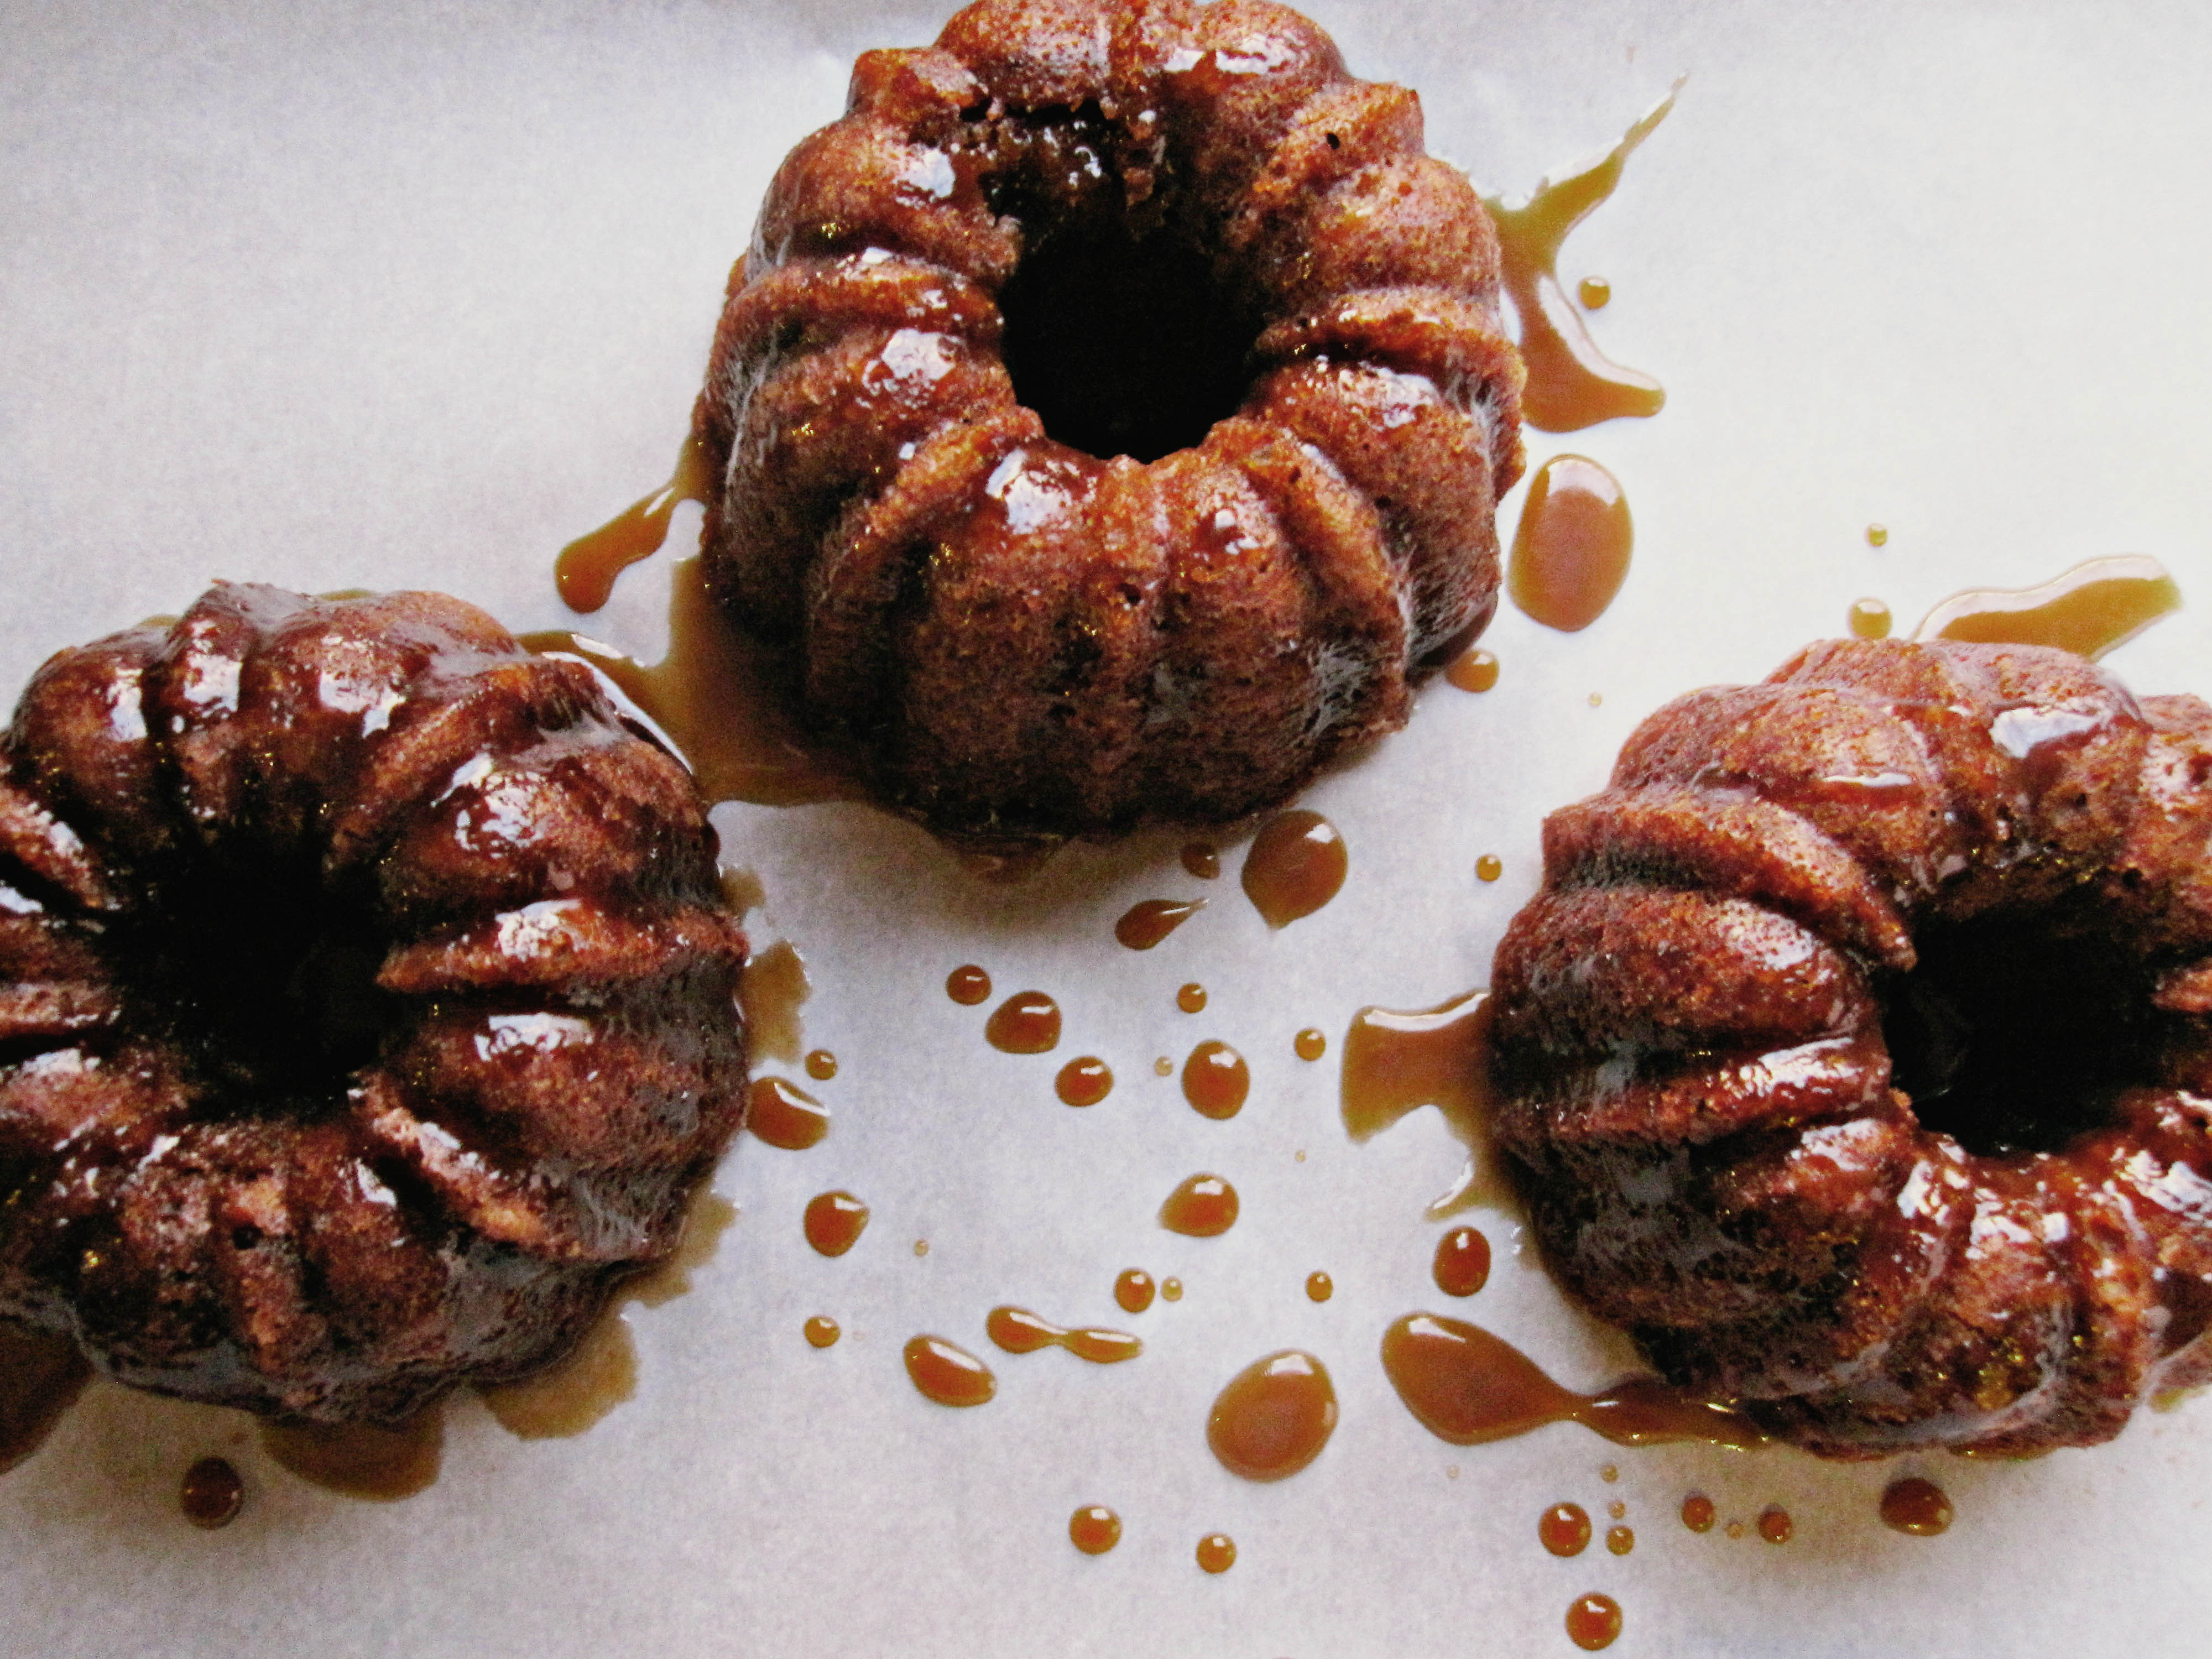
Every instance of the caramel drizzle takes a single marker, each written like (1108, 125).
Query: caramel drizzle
(1395, 1063)
(1571, 383)
(1019, 1331)
(585, 570)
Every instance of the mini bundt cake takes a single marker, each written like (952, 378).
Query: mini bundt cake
(1856, 1053)
(366, 1003)
(1110, 411)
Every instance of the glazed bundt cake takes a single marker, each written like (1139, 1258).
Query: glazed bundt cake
(366, 1003)
(1856, 1054)
(1110, 411)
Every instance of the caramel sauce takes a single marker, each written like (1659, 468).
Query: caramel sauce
(1571, 383)
(1462, 1261)
(362, 1460)
(1132, 1291)
(1273, 1417)
(1216, 1081)
(574, 1392)
(1593, 1622)
(770, 992)
(1026, 1023)
(1171, 1290)
(2098, 605)
(1620, 1540)
(1191, 997)
(1775, 1525)
(822, 1065)
(742, 891)
(1468, 1386)
(834, 1222)
(1489, 867)
(1565, 1529)
(967, 986)
(1204, 1207)
(1917, 1506)
(212, 1493)
(1877, 535)
(1217, 1553)
(821, 1331)
(1201, 859)
(1084, 1082)
(1145, 924)
(950, 1376)
(1309, 1044)
(1699, 1513)
(1395, 1063)
(724, 699)
(784, 1114)
(586, 568)
(1571, 549)
(1594, 292)
(1870, 619)
(40, 1377)
(1019, 1331)
(1296, 866)
(708, 1219)
(1320, 1287)
(1473, 670)
(1094, 1529)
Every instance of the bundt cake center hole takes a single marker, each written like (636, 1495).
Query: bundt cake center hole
(1124, 345)
(269, 982)
(2011, 1037)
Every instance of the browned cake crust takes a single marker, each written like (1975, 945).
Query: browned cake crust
(1073, 238)
(1857, 1051)
(365, 1002)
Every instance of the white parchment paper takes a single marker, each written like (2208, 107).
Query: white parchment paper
(411, 294)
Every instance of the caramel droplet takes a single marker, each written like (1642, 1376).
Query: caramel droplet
(1134, 1290)
(1320, 1287)
(362, 1460)
(2093, 608)
(1620, 1540)
(1473, 670)
(1217, 1552)
(1094, 1529)
(1699, 1513)
(1026, 1023)
(1084, 1082)
(1608, 1472)
(1877, 535)
(1297, 865)
(948, 1374)
(834, 1222)
(822, 1065)
(1775, 1525)
(967, 986)
(1201, 859)
(1565, 1529)
(1616, 1509)
(1204, 1207)
(1171, 1290)
(1594, 292)
(1593, 1622)
(1309, 1044)
(1191, 999)
(212, 1493)
(1273, 1417)
(1462, 1262)
(822, 1331)
(1019, 1331)
(1163, 1066)
(1145, 924)
(784, 1114)
(1571, 383)
(1489, 867)
(1467, 1386)
(1870, 619)
(1216, 1081)
(1571, 551)
(1917, 1506)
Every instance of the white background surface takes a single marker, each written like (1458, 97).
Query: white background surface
(410, 296)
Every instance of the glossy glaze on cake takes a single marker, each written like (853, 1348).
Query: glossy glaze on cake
(1856, 1052)
(366, 1003)
(1111, 409)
